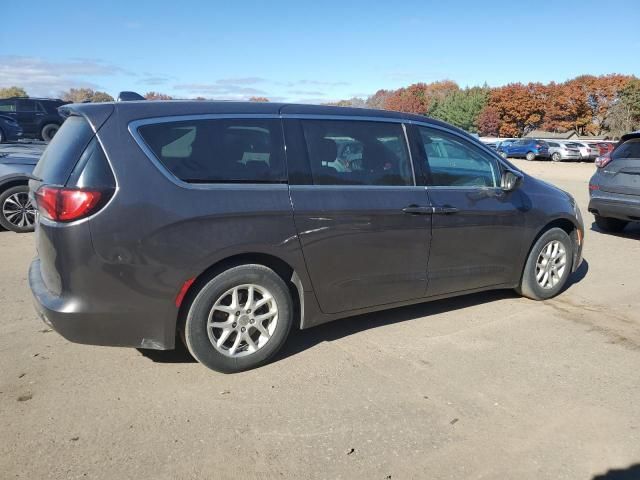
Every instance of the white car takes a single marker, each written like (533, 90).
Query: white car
(586, 152)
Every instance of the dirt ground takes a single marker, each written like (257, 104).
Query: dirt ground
(489, 386)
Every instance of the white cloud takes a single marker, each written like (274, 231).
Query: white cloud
(41, 77)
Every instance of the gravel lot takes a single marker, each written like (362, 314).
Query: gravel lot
(487, 386)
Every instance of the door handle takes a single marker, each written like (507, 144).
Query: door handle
(418, 210)
(445, 210)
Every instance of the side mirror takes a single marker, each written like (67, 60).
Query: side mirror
(510, 180)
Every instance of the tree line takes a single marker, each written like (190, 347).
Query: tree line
(606, 105)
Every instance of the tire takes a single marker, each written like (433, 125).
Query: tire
(17, 213)
(503, 154)
(607, 224)
(530, 156)
(216, 296)
(552, 280)
(556, 157)
(48, 131)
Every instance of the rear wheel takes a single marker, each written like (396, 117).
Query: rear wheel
(556, 157)
(17, 213)
(531, 156)
(48, 131)
(548, 265)
(239, 319)
(610, 224)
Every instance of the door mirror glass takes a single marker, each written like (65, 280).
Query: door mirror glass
(510, 180)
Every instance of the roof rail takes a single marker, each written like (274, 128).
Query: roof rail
(129, 96)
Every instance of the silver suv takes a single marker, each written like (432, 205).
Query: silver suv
(559, 152)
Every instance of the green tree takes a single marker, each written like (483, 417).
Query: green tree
(630, 96)
(13, 92)
(461, 107)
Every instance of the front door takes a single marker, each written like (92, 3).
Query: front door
(363, 224)
(477, 228)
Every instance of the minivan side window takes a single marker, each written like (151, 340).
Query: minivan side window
(219, 150)
(453, 162)
(349, 152)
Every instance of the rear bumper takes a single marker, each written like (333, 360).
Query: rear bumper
(78, 322)
(615, 205)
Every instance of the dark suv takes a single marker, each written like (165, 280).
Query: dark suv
(38, 117)
(232, 223)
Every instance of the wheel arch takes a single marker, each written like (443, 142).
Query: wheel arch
(13, 182)
(282, 268)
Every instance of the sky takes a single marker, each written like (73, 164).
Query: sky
(309, 51)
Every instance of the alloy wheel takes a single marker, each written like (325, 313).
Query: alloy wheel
(18, 210)
(242, 320)
(551, 264)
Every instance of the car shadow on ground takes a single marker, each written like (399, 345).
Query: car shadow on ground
(577, 276)
(301, 340)
(630, 473)
(631, 231)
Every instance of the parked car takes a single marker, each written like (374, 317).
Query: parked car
(559, 151)
(38, 117)
(587, 153)
(17, 162)
(529, 148)
(606, 147)
(614, 189)
(193, 217)
(10, 131)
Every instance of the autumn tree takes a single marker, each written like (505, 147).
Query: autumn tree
(489, 122)
(12, 92)
(521, 108)
(378, 99)
(461, 107)
(79, 95)
(419, 97)
(259, 99)
(157, 96)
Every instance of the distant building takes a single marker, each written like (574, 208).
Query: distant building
(568, 135)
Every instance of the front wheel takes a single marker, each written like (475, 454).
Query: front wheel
(610, 224)
(531, 156)
(239, 319)
(548, 266)
(17, 213)
(556, 157)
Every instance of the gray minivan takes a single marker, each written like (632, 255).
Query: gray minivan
(229, 223)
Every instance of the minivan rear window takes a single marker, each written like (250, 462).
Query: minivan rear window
(62, 154)
(219, 150)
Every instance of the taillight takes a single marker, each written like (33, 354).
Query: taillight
(603, 160)
(67, 204)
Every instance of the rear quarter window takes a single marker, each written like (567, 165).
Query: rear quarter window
(219, 150)
(629, 149)
(62, 154)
